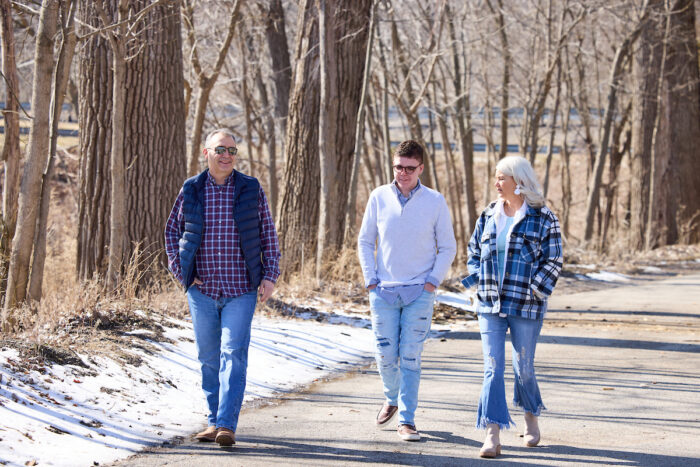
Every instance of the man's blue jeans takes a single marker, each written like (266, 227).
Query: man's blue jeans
(524, 334)
(400, 331)
(222, 334)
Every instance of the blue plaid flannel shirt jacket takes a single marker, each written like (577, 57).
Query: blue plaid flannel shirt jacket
(533, 262)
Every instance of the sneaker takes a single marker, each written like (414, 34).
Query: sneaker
(225, 437)
(408, 432)
(208, 435)
(386, 413)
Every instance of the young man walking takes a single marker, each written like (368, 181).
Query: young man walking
(222, 246)
(415, 245)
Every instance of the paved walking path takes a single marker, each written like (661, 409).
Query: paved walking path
(619, 371)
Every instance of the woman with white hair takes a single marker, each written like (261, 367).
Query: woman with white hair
(515, 256)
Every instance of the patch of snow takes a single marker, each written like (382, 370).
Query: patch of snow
(67, 415)
(607, 276)
(652, 270)
(139, 332)
(462, 300)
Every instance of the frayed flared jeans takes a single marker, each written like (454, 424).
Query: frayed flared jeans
(400, 331)
(222, 335)
(524, 333)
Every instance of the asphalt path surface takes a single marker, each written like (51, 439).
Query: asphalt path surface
(619, 372)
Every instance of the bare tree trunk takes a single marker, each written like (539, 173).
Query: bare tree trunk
(350, 214)
(275, 31)
(375, 164)
(117, 257)
(552, 130)
(616, 152)
(388, 172)
(431, 150)
(565, 155)
(10, 148)
(454, 183)
(60, 82)
(270, 141)
(584, 107)
(95, 122)
(674, 194)
(206, 78)
(615, 77)
(247, 105)
(505, 50)
(466, 137)
(298, 209)
(343, 31)
(30, 188)
(646, 68)
(651, 227)
(154, 136)
(201, 100)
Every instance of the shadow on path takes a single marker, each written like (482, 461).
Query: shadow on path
(298, 451)
(595, 342)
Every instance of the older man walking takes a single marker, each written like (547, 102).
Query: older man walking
(415, 245)
(222, 247)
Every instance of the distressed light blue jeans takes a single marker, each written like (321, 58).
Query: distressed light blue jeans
(400, 331)
(524, 334)
(222, 335)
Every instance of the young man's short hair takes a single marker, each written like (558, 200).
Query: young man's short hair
(410, 148)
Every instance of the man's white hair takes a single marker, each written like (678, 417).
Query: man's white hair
(223, 131)
(524, 175)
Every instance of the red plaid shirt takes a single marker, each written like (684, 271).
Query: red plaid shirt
(219, 260)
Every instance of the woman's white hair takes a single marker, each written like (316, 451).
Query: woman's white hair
(524, 175)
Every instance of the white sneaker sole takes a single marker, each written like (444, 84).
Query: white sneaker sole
(411, 437)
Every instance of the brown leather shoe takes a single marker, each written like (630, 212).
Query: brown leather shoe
(208, 435)
(225, 437)
(386, 413)
(408, 432)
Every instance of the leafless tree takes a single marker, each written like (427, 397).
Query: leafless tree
(343, 31)
(30, 187)
(205, 76)
(10, 147)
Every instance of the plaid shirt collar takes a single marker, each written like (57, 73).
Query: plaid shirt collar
(229, 179)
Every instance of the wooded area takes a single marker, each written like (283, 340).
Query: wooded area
(603, 97)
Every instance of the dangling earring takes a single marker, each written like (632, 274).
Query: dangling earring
(517, 189)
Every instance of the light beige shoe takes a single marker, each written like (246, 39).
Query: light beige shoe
(225, 437)
(492, 443)
(490, 452)
(531, 436)
(208, 435)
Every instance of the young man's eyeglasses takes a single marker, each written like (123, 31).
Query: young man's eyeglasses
(222, 149)
(409, 169)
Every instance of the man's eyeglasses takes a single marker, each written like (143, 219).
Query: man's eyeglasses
(409, 169)
(222, 149)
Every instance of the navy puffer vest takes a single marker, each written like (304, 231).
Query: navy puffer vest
(245, 214)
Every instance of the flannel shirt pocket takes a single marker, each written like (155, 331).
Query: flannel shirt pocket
(530, 249)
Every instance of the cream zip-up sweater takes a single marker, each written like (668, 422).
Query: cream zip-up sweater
(413, 242)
